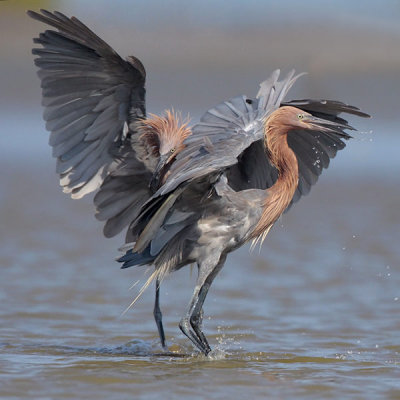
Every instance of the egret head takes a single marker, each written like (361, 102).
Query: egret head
(164, 136)
(294, 118)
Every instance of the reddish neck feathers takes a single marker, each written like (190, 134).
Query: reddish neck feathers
(281, 193)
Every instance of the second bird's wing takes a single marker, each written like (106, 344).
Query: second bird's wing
(226, 134)
(92, 98)
(315, 149)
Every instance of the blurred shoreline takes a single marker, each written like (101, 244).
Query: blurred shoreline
(192, 66)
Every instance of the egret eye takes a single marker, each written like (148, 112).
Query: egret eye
(172, 151)
(300, 116)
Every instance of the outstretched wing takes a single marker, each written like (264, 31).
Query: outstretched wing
(92, 98)
(229, 138)
(225, 132)
(123, 192)
(314, 149)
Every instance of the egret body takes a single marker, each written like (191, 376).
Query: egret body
(183, 194)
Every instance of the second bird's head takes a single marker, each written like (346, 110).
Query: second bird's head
(164, 137)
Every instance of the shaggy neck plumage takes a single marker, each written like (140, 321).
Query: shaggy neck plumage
(281, 193)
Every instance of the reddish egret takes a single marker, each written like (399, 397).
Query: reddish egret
(186, 195)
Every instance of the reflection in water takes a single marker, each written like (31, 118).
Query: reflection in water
(312, 315)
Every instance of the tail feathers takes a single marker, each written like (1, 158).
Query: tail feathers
(131, 258)
(157, 219)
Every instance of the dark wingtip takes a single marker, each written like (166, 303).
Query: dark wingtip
(32, 14)
(127, 256)
(355, 111)
(358, 112)
(43, 16)
(48, 17)
(35, 14)
(332, 107)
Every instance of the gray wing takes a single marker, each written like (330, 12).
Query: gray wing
(253, 169)
(314, 149)
(92, 98)
(225, 132)
(123, 192)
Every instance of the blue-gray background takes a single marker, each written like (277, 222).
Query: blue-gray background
(313, 314)
(199, 53)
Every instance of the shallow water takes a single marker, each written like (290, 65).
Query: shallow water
(314, 314)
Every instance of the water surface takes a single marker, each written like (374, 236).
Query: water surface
(313, 314)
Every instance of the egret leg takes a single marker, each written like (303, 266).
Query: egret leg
(190, 324)
(196, 318)
(158, 315)
(201, 315)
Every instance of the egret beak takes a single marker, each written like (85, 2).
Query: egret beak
(325, 125)
(159, 172)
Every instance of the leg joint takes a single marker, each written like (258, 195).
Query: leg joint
(184, 325)
(157, 313)
(194, 320)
